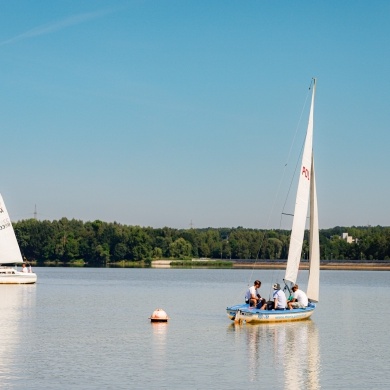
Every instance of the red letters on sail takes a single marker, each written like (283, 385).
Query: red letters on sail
(306, 172)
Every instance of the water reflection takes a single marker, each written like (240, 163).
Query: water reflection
(292, 350)
(301, 355)
(159, 343)
(15, 304)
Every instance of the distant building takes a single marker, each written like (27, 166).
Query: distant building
(348, 238)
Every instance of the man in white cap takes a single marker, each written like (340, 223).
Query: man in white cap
(279, 296)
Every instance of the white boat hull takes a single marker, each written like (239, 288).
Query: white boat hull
(241, 313)
(15, 277)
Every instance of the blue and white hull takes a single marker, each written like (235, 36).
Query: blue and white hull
(241, 313)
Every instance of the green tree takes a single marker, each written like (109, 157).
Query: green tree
(157, 253)
(180, 248)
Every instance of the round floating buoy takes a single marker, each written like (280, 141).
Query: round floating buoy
(159, 315)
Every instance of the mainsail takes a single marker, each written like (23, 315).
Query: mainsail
(9, 248)
(302, 201)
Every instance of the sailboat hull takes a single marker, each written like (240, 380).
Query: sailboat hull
(241, 313)
(9, 275)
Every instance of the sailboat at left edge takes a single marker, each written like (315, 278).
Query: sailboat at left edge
(10, 255)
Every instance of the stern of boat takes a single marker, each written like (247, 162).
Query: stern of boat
(232, 310)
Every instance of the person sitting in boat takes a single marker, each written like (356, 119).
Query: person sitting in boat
(299, 299)
(253, 297)
(24, 268)
(280, 300)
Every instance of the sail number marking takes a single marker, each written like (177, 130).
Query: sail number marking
(306, 172)
(5, 223)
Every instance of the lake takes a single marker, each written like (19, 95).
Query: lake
(89, 328)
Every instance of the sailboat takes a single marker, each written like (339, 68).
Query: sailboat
(10, 255)
(306, 193)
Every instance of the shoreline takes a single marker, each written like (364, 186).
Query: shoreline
(327, 266)
(345, 266)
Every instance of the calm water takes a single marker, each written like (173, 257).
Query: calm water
(89, 329)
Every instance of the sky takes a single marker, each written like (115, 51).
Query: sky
(192, 113)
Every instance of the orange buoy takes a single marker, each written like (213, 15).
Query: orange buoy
(159, 315)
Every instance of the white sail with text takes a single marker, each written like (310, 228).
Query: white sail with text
(9, 247)
(302, 202)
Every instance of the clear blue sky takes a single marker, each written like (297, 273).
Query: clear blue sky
(159, 113)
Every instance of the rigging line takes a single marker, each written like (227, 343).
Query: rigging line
(297, 161)
(289, 153)
(299, 123)
(281, 180)
(291, 183)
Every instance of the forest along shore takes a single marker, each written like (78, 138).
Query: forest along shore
(326, 266)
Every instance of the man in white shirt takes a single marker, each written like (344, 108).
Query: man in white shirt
(252, 296)
(299, 300)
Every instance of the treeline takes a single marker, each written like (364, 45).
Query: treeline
(101, 243)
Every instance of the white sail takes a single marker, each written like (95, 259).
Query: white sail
(9, 247)
(302, 201)
(313, 285)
